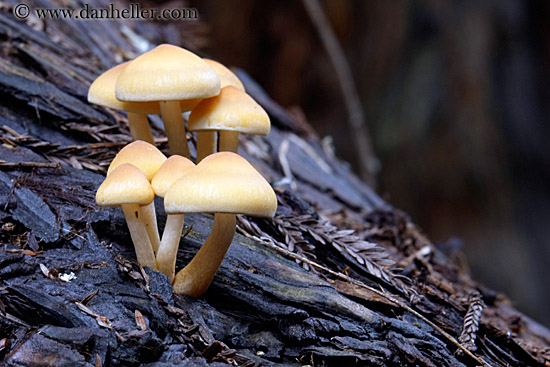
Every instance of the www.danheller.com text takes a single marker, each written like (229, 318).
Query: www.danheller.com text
(133, 11)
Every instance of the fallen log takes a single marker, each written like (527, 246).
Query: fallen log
(338, 277)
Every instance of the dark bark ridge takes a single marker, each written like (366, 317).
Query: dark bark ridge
(72, 295)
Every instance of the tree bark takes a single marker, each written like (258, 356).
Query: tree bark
(338, 277)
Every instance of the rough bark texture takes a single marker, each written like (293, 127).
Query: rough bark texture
(409, 303)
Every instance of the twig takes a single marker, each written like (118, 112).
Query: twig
(374, 290)
(11, 131)
(283, 160)
(360, 135)
(14, 319)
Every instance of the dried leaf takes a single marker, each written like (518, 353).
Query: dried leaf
(364, 245)
(85, 309)
(45, 271)
(471, 321)
(24, 252)
(140, 320)
(103, 322)
(89, 297)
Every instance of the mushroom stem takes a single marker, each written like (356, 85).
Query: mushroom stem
(175, 128)
(206, 144)
(140, 238)
(229, 141)
(149, 218)
(139, 127)
(168, 250)
(194, 279)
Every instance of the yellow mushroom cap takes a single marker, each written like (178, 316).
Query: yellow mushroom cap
(232, 110)
(172, 169)
(141, 154)
(222, 183)
(102, 92)
(227, 77)
(167, 73)
(125, 185)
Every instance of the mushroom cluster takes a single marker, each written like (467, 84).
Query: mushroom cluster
(170, 80)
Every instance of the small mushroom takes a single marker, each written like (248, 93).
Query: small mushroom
(102, 92)
(128, 187)
(171, 170)
(231, 112)
(148, 159)
(224, 184)
(207, 140)
(168, 74)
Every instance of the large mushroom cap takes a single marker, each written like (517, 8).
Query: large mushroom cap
(232, 110)
(227, 77)
(222, 183)
(102, 92)
(141, 154)
(167, 73)
(125, 185)
(172, 169)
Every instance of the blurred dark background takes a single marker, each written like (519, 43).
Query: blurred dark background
(456, 100)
